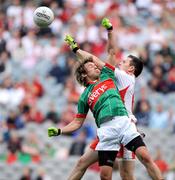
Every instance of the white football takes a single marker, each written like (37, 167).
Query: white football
(43, 16)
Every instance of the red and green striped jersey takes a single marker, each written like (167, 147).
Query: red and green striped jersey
(102, 98)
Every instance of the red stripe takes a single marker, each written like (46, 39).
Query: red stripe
(80, 115)
(98, 90)
(122, 93)
(120, 153)
(94, 143)
(133, 155)
(110, 66)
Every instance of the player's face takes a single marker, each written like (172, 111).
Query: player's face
(125, 65)
(92, 70)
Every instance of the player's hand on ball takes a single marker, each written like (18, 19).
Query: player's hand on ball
(53, 131)
(106, 24)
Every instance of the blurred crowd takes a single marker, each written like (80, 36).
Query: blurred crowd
(37, 83)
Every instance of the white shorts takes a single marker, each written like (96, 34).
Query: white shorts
(120, 130)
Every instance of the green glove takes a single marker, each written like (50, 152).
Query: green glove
(70, 41)
(53, 131)
(106, 24)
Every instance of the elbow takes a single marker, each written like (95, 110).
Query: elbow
(78, 125)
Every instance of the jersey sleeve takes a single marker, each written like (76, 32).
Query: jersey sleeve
(108, 70)
(83, 108)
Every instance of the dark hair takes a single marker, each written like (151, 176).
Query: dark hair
(80, 72)
(137, 63)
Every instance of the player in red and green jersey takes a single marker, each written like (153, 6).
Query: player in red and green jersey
(125, 75)
(101, 96)
(114, 127)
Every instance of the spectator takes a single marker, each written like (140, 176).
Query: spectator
(5, 131)
(42, 175)
(58, 72)
(27, 174)
(159, 85)
(78, 146)
(156, 40)
(5, 66)
(31, 146)
(171, 78)
(14, 146)
(71, 92)
(166, 50)
(49, 151)
(14, 41)
(143, 112)
(36, 88)
(10, 94)
(36, 115)
(67, 115)
(51, 50)
(15, 121)
(160, 162)
(172, 115)
(19, 54)
(145, 58)
(2, 42)
(52, 114)
(159, 119)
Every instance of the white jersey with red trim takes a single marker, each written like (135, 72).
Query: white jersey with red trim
(126, 85)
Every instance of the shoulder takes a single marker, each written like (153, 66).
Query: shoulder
(108, 67)
(124, 75)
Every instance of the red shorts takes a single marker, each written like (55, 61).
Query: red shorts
(123, 152)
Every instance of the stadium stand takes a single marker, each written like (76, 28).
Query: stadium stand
(38, 89)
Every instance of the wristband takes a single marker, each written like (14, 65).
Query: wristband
(75, 49)
(59, 132)
(110, 28)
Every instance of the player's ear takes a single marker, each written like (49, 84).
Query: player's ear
(131, 69)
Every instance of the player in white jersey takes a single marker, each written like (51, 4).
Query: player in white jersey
(125, 79)
(126, 85)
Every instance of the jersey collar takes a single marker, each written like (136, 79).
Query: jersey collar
(92, 82)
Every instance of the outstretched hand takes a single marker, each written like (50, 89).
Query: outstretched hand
(53, 131)
(70, 41)
(106, 24)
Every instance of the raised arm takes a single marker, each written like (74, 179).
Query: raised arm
(82, 55)
(110, 43)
